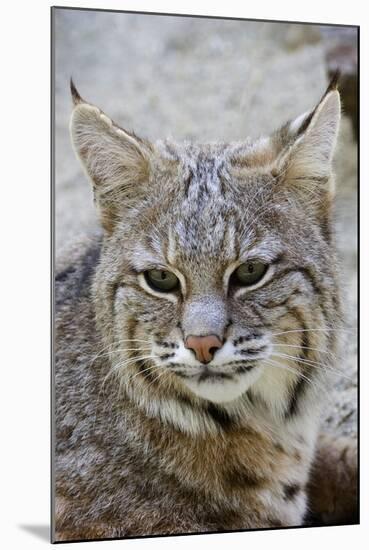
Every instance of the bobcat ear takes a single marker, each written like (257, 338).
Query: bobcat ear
(116, 161)
(75, 94)
(307, 160)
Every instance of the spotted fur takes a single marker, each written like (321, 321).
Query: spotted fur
(148, 439)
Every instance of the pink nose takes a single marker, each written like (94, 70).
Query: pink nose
(204, 347)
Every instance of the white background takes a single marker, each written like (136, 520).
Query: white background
(25, 273)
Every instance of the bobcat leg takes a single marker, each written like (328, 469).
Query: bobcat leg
(332, 489)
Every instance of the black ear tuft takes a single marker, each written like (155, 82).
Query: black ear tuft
(333, 85)
(75, 95)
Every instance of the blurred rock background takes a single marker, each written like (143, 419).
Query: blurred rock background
(209, 79)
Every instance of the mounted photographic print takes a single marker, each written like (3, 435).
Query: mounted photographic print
(205, 295)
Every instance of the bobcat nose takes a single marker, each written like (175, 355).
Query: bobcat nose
(204, 347)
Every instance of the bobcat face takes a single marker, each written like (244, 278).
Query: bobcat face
(209, 272)
(217, 273)
(196, 271)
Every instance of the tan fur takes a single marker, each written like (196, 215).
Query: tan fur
(333, 485)
(148, 439)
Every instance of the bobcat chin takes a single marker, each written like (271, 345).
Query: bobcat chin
(196, 333)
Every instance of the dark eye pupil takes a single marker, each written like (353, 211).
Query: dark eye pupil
(249, 273)
(164, 281)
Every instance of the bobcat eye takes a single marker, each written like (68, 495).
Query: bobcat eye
(164, 281)
(249, 273)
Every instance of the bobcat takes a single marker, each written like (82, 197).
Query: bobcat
(195, 336)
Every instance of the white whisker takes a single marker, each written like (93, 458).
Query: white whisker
(313, 330)
(103, 352)
(151, 368)
(313, 383)
(304, 347)
(123, 364)
(314, 364)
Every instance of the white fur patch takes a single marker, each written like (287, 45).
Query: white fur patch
(217, 390)
(297, 123)
(220, 390)
(185, 418)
